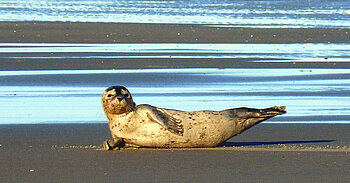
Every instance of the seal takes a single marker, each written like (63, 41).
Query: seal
(145, 125)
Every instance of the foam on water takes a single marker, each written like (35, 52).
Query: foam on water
(242, 13)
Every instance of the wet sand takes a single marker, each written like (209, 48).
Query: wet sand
(77, 64)
(51, 32)
(265, 153)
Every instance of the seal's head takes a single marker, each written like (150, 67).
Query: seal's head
(117, 100)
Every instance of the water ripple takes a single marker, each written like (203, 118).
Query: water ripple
(243, 13)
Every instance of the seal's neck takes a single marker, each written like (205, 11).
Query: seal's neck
(122, 115)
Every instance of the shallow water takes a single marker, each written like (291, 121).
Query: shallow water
(252, 52)
(242, 13)
(311, 96)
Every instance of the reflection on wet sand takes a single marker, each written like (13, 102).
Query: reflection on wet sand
(295, 52)
(311, 96)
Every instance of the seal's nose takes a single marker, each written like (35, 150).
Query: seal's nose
(120, 99)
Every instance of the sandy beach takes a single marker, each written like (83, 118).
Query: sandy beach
(69, 152)
(266, 153)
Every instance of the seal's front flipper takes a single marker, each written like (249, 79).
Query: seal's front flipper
(163, 118)
(110, 144)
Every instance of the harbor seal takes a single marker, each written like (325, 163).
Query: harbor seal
(145, 125)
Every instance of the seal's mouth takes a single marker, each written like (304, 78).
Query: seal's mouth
(119, 106)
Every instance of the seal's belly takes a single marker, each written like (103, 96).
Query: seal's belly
(200, 130)
(154, 135)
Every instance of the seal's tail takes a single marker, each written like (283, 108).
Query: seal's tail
(248, 117)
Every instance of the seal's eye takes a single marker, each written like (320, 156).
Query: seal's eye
(127, 95)
(109, 95)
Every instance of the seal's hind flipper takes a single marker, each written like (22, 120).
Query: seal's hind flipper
(248, 117)
(246, 113)
(273, 111)
(163, 118)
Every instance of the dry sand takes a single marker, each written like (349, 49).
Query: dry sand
(270, 153)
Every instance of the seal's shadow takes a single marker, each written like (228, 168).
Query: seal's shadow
(238, 144)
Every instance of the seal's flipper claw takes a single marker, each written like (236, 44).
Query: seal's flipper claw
(106, 146)
(111, 145)
(272, 111)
